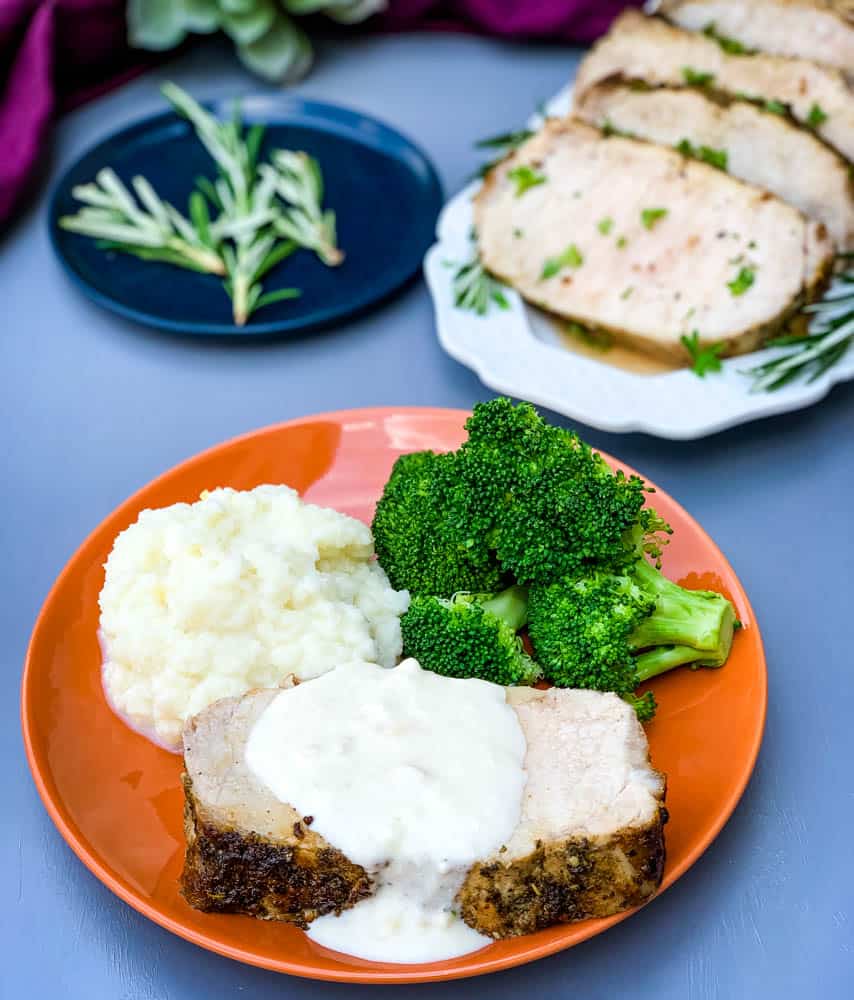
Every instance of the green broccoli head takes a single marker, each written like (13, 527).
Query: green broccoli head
(581, 630)
(611, 631)
(413, 537)
(543, 499)
(643, 704)
(471, 635)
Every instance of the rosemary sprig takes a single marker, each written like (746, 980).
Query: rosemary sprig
(830, 333)
(475, 289)
(297, 179)
(145, 226)
(503, 144)
(240, 224)
(246, 204)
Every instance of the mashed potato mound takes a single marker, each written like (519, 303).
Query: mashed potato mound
(208, 600)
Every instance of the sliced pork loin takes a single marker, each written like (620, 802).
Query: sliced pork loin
(821, 30)
(246, 851)
(650, 49)
(633, 238)
(758, 146)
(589, 843)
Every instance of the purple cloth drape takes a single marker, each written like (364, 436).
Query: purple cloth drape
(56, 53)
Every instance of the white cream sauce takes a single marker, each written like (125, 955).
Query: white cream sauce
(412, 775)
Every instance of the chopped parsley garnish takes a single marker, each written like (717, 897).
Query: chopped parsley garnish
(518, 233)
(707, 154)
(605, 225)
(817, 116)
(571, 257)
(742, 281)
(730, 45)
(775, 107)
(525, 177)
(650, 216)
(703, 359)
(626, 292)
(600, 340)
(752, 245)
(622, 243)
(697, 78)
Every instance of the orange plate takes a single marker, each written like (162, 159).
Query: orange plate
(116, 798)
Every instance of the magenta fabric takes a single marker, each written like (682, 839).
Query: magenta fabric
(56, 53)
(565, 20)
(53, 55)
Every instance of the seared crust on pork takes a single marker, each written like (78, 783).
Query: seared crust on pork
(246, 851)
(565, 881)
(589, 840)
(650, 49)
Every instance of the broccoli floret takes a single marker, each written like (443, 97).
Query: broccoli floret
(413, 538)
(543, 499)
(613, 632)
(471, 635)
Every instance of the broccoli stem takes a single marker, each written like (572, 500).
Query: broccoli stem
(511, 606)
(663, 658)
(695, 625)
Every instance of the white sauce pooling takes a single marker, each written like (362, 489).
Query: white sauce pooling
(412, 775)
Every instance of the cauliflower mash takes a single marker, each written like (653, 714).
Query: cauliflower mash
(208, 600)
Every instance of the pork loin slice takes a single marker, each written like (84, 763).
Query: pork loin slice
(247, 852)
(822, 30)
(762, 148)
(651, 242)
(589, 843)
(650, 49)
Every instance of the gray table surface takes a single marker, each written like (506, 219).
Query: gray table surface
(93, 407)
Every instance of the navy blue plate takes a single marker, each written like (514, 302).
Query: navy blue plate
(383, 189)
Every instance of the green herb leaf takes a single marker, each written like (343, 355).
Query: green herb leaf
(475, 289)
(742, 281)
(511, 139)
(703, 359)
(626, 292)
(200, 217)
(571, 257)
(651, 216)
(280, 252)
(622, 243)
(817, 116)
(707, 154)
(254, 138)
(525, 177)
(775, 107)
(827, 341)
(600, 340)
(278, 295)
(206, 186)
(505, 144)
(697, 78)
(730, 45)
(605, 225)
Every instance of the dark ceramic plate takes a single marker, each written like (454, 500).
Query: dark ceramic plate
(383, 189)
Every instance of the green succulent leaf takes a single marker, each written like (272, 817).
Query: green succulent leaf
(246, 27)
(200, 16)
(282, 54)
(156, 24)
